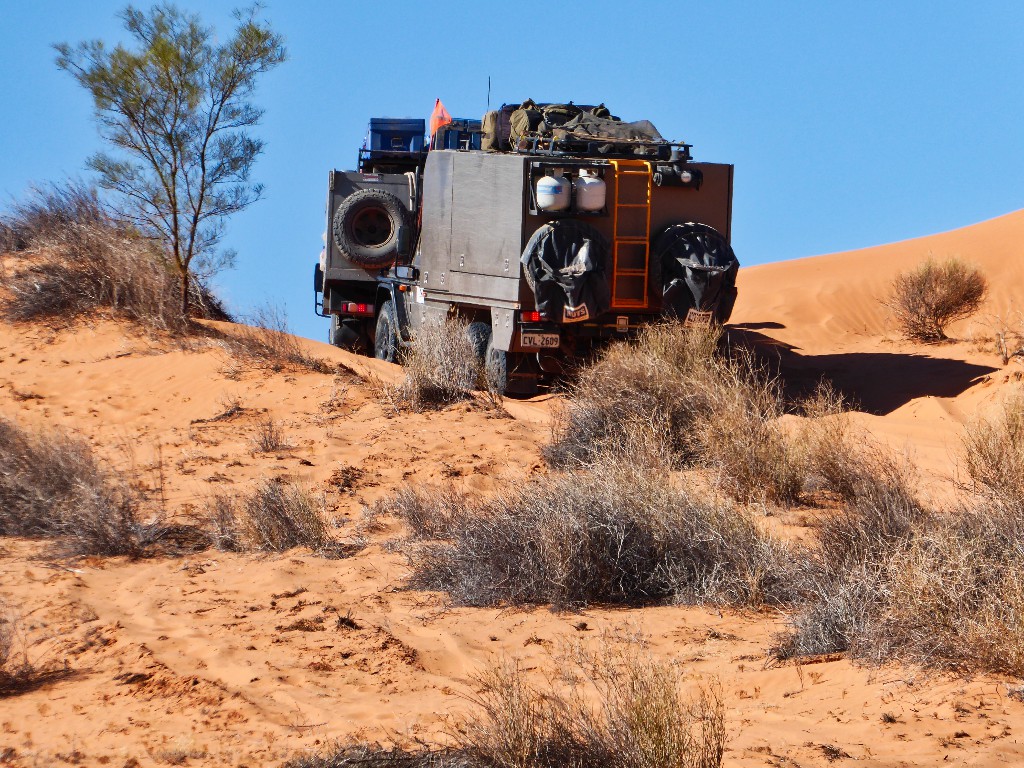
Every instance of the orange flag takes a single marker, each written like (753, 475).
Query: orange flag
(438, 117)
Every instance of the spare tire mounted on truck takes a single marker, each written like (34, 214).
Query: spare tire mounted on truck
(366, 227)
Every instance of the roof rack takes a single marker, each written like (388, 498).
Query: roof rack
(573, 145)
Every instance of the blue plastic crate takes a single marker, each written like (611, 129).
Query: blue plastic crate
(459, 134)
(396, 134)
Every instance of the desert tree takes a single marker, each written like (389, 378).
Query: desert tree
(176, 109)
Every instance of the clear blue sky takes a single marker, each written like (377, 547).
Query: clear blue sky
(850, 123)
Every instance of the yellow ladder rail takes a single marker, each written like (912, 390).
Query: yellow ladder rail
(638, 241)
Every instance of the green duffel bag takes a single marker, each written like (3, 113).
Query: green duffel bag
(524, 120)
(489, 141)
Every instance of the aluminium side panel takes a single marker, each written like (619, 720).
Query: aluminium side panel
(489, 203)
(432, 255)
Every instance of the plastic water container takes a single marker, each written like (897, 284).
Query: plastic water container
(553, 193)
(591, 191)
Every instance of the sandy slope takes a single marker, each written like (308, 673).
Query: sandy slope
(227, 659)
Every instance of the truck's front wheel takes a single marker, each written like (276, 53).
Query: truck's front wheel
(385, 345)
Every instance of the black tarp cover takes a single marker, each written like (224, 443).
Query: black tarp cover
(587, 125)
(698, 270)
(565, 265)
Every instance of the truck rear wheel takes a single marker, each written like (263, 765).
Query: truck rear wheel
(385, 345)
(366, 225)
(496, 367)
(479, 335)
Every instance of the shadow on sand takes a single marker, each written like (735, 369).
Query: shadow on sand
(874, 382)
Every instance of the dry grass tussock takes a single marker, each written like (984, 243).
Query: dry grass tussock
(442, 366)
(640, 399)
(993, 452)
(266, 341)
(77, 259)
(53, 487)
(16, 671)
(742, 439)
(275, 516)
(610, 534)
(925, 300)
(894, 579)
(675, 398)
(616, 706)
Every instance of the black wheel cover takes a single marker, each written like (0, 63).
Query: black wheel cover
(698, 270)
(365, 227)
(564, 264)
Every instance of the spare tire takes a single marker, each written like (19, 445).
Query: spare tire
(365, 227)
(564, 264)
(698, 270)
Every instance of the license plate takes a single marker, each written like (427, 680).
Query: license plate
(540, 340)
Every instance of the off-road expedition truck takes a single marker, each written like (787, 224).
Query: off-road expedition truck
(550, 228)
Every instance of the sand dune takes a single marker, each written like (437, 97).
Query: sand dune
(209, 655)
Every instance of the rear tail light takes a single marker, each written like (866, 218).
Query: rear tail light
(530, 317)
(353, 308)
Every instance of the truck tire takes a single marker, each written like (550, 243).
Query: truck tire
(385, 344)
(697, 270)
(365, 227)
(496, 367)
(479, 335)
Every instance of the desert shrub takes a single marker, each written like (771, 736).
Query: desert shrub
(273, 517)
(50, 210)
(954, 597)
(269, 437)
(882, 514)
(221, 517)
(611, 534)
(52, 486)
(893, 579)
(266, 341)
(672, 399)
(845, 581)
(615, 707)
(927, 299)
(993, 452)
(837, 457)
(742, 439)
(83, 260)
(441, 365)
(16, 671)
(427, 510)
(641, 399)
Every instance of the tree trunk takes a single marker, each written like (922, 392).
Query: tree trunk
(184, 294)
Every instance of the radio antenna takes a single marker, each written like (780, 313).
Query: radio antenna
(488, 93)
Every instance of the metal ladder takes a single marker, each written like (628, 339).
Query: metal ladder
(631, 234)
